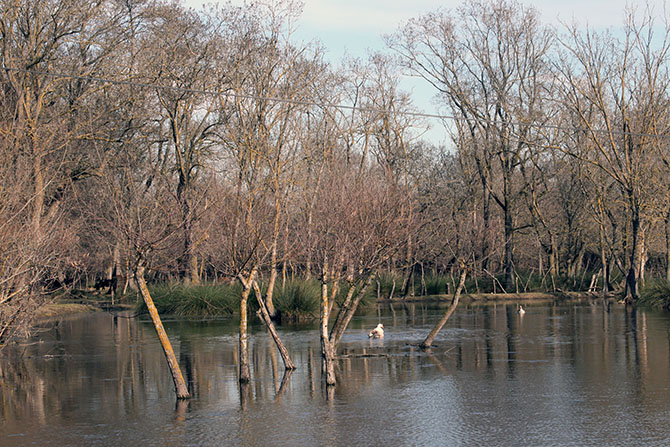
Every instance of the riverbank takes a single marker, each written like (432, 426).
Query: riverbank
(504, 297)
(64, 307)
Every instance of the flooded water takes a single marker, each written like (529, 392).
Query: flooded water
(560, 375)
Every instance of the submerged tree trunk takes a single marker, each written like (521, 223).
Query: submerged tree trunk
(245, 372)
(452, 307)
(265, 314)
(327, 351)
(177, 377)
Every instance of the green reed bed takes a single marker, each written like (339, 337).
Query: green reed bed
(202, 300)
(656, 293)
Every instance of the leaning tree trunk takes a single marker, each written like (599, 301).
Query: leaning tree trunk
(265, 314)
(177, 377)
(454, 302)
(348, 309)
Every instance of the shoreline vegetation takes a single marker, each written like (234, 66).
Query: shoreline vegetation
(64, 307)
(298, 300)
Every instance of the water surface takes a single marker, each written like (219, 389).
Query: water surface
(572, 374)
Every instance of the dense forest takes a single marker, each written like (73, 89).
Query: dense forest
(145, 139)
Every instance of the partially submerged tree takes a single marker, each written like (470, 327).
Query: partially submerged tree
(428, 341)
(359, 226)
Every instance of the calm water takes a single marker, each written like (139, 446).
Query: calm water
(561, 375)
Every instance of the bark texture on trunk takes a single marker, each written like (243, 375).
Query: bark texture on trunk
(327, 351)
(180, 385)
(637, 260)
(245, 373)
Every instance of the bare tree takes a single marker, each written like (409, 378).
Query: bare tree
(619, 91)
(181, 50)
(47, 122)
(267, 80)
(358, 218)
(488, 63)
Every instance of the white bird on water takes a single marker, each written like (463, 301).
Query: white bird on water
(521, 310)
(377, 332)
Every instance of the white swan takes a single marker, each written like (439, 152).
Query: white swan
(521, 310)
(377, 332)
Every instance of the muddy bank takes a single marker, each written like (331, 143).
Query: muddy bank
(53, 310)
(65, 309)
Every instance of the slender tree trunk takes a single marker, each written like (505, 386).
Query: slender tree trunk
(273, 260)
(177, 377)
(508, 260)
(284, 268)
(454, 302)
(408, 282)
(603, 259)
(288, 364)
(327, 352)
(189, 260)
(667, 246)
(486, 217)
(348, 310)
(245, 373)
(38, 200)
(637, 256)
(247, 284)
(553, 257)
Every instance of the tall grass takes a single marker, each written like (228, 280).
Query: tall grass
(385, 285)
(436, 285)
(203, 300)
(297, 299)
(656, 293)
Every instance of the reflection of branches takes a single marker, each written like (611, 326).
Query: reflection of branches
(436, 362)
(285, 382)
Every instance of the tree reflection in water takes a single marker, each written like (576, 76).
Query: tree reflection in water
(570, 373)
